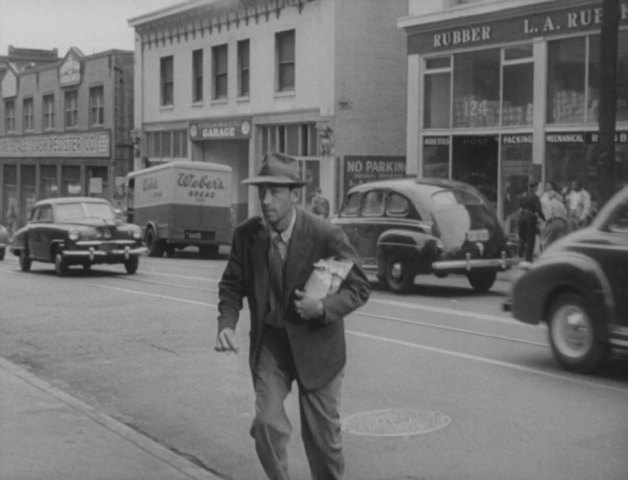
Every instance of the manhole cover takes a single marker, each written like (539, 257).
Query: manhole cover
(395, 422)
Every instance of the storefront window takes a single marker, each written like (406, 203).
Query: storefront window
(566, 75)
(476, 88)
(71, 181)
(9, 198)
(594, 78)
(27, 192)
(97, 178)
(516, 173)
(518, 88)
(437, 94)
(436, 157)
(48, 181)
(475, 162)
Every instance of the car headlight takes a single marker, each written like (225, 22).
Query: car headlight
(73, 235)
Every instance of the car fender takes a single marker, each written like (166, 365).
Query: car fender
(418, 248)
(535, 290)
(152, 224)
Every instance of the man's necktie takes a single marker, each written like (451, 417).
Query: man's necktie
(275, 265)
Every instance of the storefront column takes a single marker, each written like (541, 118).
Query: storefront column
(540, 105)
(414, 162)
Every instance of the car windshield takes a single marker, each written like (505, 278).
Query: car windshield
(77, 211)
(458, 212)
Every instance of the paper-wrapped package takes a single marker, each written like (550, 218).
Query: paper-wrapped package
(326, 277)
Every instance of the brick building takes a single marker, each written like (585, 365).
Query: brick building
(65, 129)
(323, 80)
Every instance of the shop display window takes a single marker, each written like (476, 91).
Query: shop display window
(476, 89)
(516, 172)
(71, 181)
(594, 78)
(566, 98)
(518, 86)
(48, 181)
(436, 157)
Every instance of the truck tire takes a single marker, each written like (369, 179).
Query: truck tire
(25, 261)
(131, 265)
(154, 245)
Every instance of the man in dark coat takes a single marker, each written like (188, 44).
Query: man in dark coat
(294, 336)
(529, 212)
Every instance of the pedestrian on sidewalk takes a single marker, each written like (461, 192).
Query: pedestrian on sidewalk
(294, 337)
(530, 212)
(319, 205)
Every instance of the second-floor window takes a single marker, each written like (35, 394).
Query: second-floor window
(28, 114)
(197, 76)
(219, 56)
(243, 68)
(71, 109)
(167, 80)
(9, 110)
(97, 106)
(49, 112)
(285, 49)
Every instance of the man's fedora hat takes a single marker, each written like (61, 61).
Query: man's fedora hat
(277, 169)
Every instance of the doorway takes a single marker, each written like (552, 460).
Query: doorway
(474, 161)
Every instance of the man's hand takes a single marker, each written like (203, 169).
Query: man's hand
(308, 308)
(226, 341)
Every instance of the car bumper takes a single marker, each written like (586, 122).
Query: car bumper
(93, 254)
(474, 264)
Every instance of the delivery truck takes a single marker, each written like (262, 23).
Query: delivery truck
(181, 204)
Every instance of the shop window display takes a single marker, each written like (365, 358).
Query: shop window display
(566, 99)
(476, 89)
(594, 78)
(436, 157)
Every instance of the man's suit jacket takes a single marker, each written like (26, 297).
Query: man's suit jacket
(318, 346)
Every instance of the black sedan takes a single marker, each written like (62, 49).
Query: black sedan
(405, 227)
(77, 231)
(579, 288)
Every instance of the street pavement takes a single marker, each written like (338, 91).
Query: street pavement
(46, 434)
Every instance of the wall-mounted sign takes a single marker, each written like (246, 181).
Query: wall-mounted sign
(513, 28)
(221, 129)
(621, 136)
(361, 169)
(70, 71)
(79, 144)
(9, 84)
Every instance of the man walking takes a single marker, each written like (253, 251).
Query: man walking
(529, 212)
(294, 337)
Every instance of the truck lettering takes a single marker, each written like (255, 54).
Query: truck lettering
(190, 180)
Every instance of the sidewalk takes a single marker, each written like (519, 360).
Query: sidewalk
(46, 434)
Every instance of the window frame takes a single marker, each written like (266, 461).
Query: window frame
(9, 115)
(166, 81)
(285, 60)
(48, 112)
(70, 108)
(244, 72)
(28, 114)
(220, 71)
(197, 75)
(97, 105)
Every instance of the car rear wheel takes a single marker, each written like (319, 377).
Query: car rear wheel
(482, 281)
(154, 245)
(575, 336)
(399, 276)
(25, 261)
(61, 264)
(131, 265)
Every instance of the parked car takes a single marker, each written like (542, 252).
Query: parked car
(4, 241)
(579, 288)
(405, 227)
(77, 231)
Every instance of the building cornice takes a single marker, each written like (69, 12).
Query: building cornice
(198, 17)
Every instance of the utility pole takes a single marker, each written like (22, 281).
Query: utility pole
(606, 165)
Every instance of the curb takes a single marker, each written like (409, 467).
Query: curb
(126, 433)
